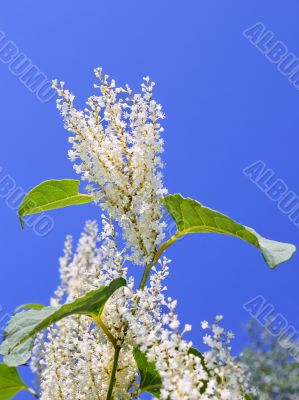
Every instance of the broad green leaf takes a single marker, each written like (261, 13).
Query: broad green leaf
(10, 382)
(50, 195)
(23, 327)
(32, 306)
(247, 396)
(150, 380)
(192, 217)
(19, 326)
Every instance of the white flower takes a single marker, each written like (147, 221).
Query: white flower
(116, 145)
(204, 325)
(74, 357)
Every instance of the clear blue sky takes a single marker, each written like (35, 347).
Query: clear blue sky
(226, 105)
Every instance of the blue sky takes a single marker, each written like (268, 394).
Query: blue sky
(227, 106)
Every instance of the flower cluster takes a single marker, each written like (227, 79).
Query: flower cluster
(74, 358)
(116, 144)
(232, 377)
(186, 374)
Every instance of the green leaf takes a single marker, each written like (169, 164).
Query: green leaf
(50, 195)
(192, 217)
(33, 306)
(23, 327)
(247, 396)
(150, 380)
(10, 382)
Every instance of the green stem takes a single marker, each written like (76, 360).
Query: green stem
(143, 281)
(113, 373)
(145, 276)
(158, 254)
(142, 284)
(165, 246)
(105, 330)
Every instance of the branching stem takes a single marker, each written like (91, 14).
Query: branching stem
(142, 284)
(106, 331)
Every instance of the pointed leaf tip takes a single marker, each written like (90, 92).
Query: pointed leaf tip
(192, 217)
(21, 219)
(274, 253)
(23, 327)
(50, 195)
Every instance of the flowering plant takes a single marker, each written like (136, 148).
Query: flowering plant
(104, 336)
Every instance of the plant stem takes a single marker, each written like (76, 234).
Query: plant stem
(142, 284)
(145, 276)
(106, 330)
(158, 254)
(143, 281)
(113, 373)
(165, 246)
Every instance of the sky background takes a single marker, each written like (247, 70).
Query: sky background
(226, 106)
